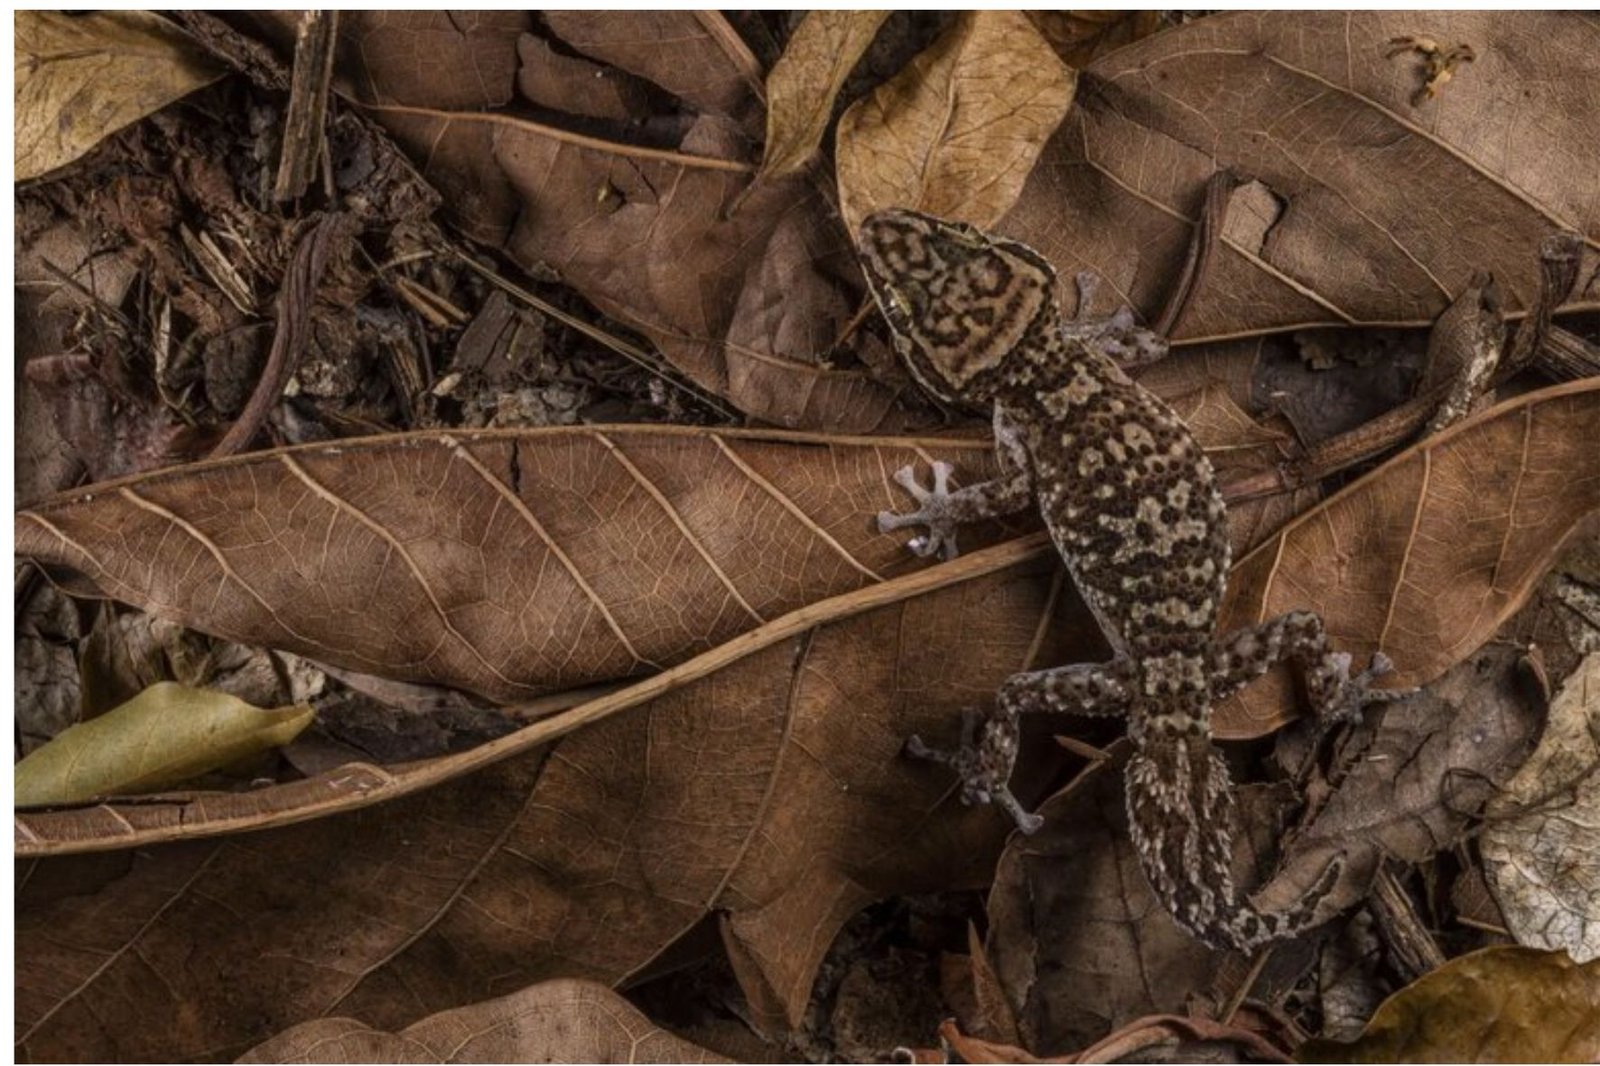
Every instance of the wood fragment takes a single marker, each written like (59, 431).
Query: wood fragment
(1410, 944)
(308, 104)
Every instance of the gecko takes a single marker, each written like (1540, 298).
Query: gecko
(1132, 505)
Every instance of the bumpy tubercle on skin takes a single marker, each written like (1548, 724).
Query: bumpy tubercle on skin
(1133, 506)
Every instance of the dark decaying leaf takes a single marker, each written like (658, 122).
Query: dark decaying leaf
(557, 1021)
(1505, 1004)
(771, 790)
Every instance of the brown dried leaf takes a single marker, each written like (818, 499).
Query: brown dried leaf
(1503, 1004)
(804, 84)
(1422, 774)
(1541, 843)
(744, 302)
(507, 563)
(556, 1021)
(81, 78)
(1079, 37)
(1426, 557)
(1076, 938)
(770, 790)
(705, 62)
(1385, 210)
(1552, 421)
(957, 131)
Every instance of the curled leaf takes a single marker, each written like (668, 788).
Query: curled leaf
(167, 734)
(80, 78)
(1541, 845)
(1503, 1004)
(958, 130)
(804, 84)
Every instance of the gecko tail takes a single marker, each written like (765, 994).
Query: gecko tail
(1180, 812)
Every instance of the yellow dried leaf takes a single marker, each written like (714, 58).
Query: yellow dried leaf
(167, 734)
(958, 130)
(805, 82)
(81, 78)
(1504, 1004)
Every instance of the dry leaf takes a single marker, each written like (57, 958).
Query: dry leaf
(771, 790)
(81, 78)
(956, 132)
(744, 302)
(1079, 37)
(1425, 559)
(1156, 1038)
(1077, 940)
(509, 563)
(1384, 212)
(1541, 840)
(557, 1021)
(1421, 776)
(804, 84)
(1504, 1004)
(167, 734)
(833, 485)
(695, 55)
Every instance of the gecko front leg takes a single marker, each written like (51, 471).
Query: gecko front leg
(943, 511)
(985, 758)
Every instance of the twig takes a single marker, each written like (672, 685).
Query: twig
(300, 282)
(1202, 245)
(1414, 950)
(308, 104)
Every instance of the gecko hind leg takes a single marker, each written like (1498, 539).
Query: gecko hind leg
(1336, 695)
(988, 752)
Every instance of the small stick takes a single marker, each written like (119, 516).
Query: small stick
(300, 281)
(308, 104)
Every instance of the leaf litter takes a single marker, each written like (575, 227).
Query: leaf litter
(731, 655)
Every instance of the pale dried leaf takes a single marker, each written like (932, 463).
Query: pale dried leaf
(1384, 210)
(1503, 1004)
(165, 735)
(804, 84)
(956, 132)
(556, 1021)
(1541, 843)
(81, 78)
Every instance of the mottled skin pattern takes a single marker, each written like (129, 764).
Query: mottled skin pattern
(1133, 506)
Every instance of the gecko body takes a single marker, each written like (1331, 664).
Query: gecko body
(1133, 506)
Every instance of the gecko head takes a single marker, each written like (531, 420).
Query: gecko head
(958, 300)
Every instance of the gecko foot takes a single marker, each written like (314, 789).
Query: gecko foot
(1340, 697)
(1116, 335)
(984, 765)
(935, 513)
